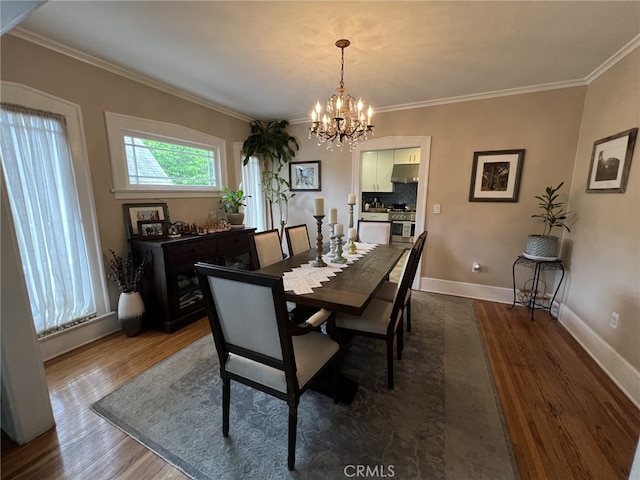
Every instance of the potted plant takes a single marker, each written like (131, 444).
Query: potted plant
(553, 215)
(232, 200)
(128, 277)
(271, 142)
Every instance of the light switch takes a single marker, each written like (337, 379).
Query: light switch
(436, 208)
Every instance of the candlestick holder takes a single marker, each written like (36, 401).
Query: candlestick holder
(339, 258)
(352, 247)
(319, 262)
(332, 240)
(351, 214)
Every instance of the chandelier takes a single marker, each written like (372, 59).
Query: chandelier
(344, 120)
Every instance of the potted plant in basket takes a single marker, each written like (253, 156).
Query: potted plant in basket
(128, 277)
(232, 200)
(553, 215)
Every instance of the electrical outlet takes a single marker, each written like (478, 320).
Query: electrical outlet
(614, 320)
(436, 208)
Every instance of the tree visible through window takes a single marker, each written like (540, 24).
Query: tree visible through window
(161, 163)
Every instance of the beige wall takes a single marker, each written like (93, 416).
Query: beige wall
(605, 262)
(96, 91)
(546, 124)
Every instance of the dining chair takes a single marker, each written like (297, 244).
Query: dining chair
(372, 231)
(256, 343)
(266, 248)
(388, 289)
(297, 239)
(381, 320)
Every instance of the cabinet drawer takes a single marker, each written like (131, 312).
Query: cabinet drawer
(232, 246)
(192, 252)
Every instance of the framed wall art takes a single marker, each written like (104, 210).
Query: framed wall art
(495, 176)
(135, 212)
(610, 162)
(305, 176)
(148, 229)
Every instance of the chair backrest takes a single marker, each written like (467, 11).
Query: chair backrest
(371, 231)
(256, 329)
(297, 239)
(266, 248)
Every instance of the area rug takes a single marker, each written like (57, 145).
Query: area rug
(441, 421)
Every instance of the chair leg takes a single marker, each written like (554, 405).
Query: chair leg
(226, 400)
(390, 363)
(293, 425)
(408, 308)
(400, 338)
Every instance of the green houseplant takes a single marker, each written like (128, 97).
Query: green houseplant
(272, 144)
(553, 215)
(232, 201)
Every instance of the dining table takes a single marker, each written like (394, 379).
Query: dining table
(352, 288)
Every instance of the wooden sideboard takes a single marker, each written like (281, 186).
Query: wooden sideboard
(170, 288)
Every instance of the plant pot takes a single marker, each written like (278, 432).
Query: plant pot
(235, 218)
(130, 313)
(542, 246)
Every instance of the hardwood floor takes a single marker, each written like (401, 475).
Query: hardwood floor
(566, 419)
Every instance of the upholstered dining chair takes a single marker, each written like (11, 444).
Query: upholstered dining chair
(381, 320)
(372, 231)
(258, 346)
(388, 289)
(266, 248)
(297, 239)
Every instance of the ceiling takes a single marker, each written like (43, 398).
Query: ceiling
(272, 60)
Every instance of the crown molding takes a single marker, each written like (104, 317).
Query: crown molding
(123, 72)
(615, 58)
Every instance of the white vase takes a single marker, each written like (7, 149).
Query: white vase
(130, 313)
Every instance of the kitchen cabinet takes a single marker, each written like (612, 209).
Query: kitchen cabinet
(406, 155)
(170, 288)
(376, 171)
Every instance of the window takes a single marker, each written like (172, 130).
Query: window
(149, 157)
(255, 211)
(46, 177)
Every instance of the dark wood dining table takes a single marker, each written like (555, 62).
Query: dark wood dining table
(351, 290)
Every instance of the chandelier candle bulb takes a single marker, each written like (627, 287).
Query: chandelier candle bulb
(333, 215)
(319, 206)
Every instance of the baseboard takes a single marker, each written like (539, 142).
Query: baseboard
(468, 290)
(617, 368)
(623, 374)
(66, 340)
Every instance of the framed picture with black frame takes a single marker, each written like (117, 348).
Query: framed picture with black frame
(305, 176)
(611, 162)
(495, 176)
(136, 212)
(149, 229)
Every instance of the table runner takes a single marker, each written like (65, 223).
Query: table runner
(305, 278)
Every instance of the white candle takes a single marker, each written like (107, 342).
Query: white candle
(338, 230)
(352, 199)
(352, 233)
(333, 215)
(319, 207)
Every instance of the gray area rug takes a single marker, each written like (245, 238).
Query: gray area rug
(441, 421)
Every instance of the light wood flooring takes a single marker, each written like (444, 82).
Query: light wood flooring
(566, 419)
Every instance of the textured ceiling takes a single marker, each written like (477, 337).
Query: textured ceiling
(273, 60)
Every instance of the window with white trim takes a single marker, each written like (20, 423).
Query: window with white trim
(150, 158)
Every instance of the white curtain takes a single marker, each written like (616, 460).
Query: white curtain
(255, 212)
(40, 180)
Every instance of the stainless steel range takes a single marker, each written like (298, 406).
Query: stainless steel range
(403, 226)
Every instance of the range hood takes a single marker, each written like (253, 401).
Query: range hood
(405, 173)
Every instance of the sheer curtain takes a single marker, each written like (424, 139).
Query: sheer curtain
(41, 186)
(255, 212)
